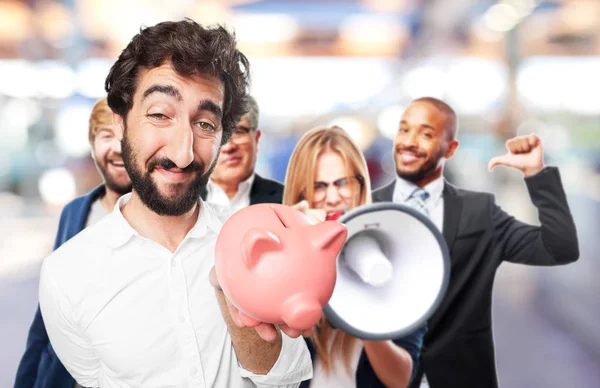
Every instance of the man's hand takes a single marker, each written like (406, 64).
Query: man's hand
(524, 153)
(316, 216)
(266, 331)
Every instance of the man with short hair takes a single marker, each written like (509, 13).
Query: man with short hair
(133, 301)
(39, 366)
(234, 182)
(458, 349)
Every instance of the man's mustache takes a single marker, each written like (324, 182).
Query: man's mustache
(411, 150)
(168, 164)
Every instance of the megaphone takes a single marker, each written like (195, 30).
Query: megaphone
(392, 272)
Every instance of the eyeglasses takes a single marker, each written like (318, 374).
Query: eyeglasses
(346, 187)
(241, 135)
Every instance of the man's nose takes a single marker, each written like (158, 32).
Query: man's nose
(229, 147)
(409, 140)
(180, 147)
(115, 145)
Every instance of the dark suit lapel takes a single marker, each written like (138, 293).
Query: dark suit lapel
(261, 192)
(384, 194)
(452, 208)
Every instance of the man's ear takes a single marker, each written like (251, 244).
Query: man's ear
(257, 135)
(118, 125)
(452, 147)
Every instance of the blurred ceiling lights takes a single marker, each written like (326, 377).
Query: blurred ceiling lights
(357, 128)
(15, 21)
(506, 14)
(57, 186)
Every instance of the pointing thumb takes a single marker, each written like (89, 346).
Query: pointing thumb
(498, 161)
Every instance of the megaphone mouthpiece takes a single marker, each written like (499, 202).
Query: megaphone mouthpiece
(364, 256)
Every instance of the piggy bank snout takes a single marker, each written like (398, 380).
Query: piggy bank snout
(301, 312)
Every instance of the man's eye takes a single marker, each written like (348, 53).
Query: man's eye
(158, 116)
(203, 125)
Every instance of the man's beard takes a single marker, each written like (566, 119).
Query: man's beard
(147, 190)
(428, 168)
(111, 183)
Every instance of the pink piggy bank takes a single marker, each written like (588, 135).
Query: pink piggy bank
(276, 267)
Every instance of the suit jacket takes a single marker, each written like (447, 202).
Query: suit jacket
(39, 366)
(365, 375)
(262, 191)
(458, 348)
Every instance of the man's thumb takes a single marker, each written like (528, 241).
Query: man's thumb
(498, 161)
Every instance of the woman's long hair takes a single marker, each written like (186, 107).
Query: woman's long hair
(299, 178)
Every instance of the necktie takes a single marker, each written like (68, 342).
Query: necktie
(417, 201)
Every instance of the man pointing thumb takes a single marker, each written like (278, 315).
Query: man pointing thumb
(525, 153)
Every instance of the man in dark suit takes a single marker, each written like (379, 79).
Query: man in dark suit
(458, 348)
(233, 182)
(39, 366)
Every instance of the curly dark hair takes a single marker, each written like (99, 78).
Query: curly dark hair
(192, 49)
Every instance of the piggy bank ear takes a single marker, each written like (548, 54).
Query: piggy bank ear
(257, 242)
(328, 235)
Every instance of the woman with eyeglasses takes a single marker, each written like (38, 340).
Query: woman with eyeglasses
(326, 176)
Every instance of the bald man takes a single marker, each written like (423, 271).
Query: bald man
(458, 348)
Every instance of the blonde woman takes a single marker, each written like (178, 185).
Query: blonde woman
(327, 174)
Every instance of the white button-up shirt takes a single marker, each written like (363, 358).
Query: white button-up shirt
(241, 200)
(434, 204)
(123, 311)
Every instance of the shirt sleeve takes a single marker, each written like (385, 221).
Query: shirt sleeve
(413, 343)
(70, 345)
(293, 366)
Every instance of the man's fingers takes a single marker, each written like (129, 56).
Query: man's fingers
(267, 332)
(522, 144)
(533, 140)
(292, 333)
(515, 146)
(234, 313)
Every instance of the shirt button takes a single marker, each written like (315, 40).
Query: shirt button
(193, 371)
(174, 262)
(181, 319)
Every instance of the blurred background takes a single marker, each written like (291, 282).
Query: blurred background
(508, 67)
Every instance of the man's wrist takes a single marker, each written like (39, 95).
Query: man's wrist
(529, 172)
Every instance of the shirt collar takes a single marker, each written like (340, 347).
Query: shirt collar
(403, 189)
(243, 187)
(209, 219)
(120, 231)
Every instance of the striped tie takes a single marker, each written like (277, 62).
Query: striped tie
(417, 201)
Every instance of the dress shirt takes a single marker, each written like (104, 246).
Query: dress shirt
(434, 204)
(123, 311)
(241, 200)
